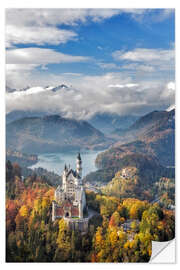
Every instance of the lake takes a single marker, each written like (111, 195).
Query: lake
(55, 161)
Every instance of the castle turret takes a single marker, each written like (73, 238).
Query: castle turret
(64, 177)
(79, 165)
(80, 209)
(53, 211)
(65, 167)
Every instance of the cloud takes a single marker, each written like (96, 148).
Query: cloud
(128, 85)
(130, 66)
(19, 76)
(164, 14)
(68, 16)
(144, 59)
(108, 65)
(150, 16)
(139, 67)
(169, 92)
(144, 55)
(100, 48)
(46, 26)
(58, 16)
(40, 56)
(37, 35)
(171, 85)
(123, 92)
(15, 67)
(111, 92)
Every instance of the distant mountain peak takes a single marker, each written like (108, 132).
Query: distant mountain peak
(53, 133)
(37, 89)
(25, 88)
(170, 108)
(10, 90)
(59, 87)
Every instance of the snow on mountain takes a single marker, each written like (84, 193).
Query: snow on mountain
(10, 90)
(35, 90)
(170, 108)
(29, 91)
(59, 87)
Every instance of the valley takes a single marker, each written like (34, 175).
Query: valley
(149, 144)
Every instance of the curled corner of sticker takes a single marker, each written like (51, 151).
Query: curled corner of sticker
(163, 252)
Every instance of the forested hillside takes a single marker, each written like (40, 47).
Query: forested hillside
(121, 231)
(152, 153)
(21, 158)
(152, 134)
(53, 134)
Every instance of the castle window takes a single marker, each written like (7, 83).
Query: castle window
(67, 214)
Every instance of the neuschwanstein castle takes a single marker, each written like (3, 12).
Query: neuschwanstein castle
(70, 200)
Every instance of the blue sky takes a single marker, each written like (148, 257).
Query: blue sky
(94, 50)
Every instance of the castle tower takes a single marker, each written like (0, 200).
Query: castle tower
(53, 212)
(79, 165)
(64, 177)
(80, 209)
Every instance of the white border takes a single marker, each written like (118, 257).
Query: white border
(76, 4)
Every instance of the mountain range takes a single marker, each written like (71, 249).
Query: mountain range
(29, 89)
(151, 149)
(22, 159)
(109, 122)
(105, 122)
(152, 134)
(52, 134)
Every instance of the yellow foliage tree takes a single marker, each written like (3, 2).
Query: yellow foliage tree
(99, 240)
(63, 240)
(23, 211)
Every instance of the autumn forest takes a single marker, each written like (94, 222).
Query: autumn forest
(121, 230)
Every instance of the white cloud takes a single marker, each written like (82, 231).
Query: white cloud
(165, 13)
(130, 66)
(41, 26)
(171, 85)
(40, 17)
(139, 67)
(144, 55)
(107, 65)
(60, 16)
(168, 93)
(111, 92)
(40, 56)
(37, 35)
(149, 16)
(128, 85)
(71, 74)
(147, 60)
(101, 14)
(19, 76)
(16, 68)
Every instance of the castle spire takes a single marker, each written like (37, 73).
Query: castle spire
(79, 165)
(79, 156)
